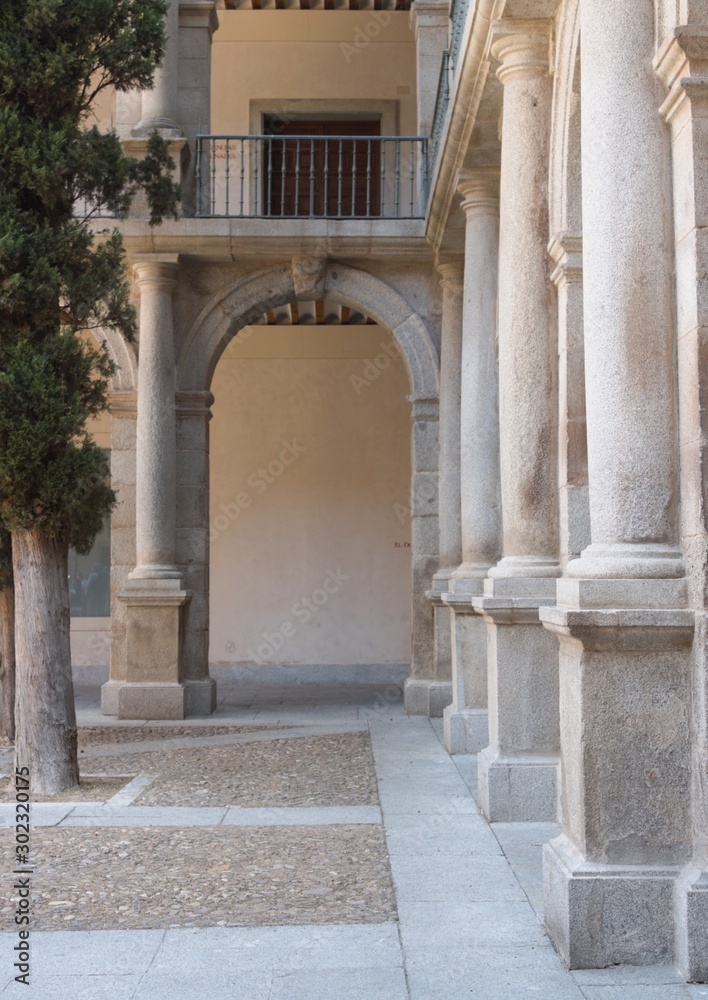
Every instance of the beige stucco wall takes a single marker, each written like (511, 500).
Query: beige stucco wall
(329, 56)
(337, 509)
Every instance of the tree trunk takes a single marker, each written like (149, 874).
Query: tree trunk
(7, 664)
(45, 718)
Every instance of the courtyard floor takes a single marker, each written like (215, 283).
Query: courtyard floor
(303, 843)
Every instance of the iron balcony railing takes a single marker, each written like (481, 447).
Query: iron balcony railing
(458, 17)
(318, 176)
(442, 102)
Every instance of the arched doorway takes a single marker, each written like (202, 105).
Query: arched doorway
(309, 515)
(230, 311)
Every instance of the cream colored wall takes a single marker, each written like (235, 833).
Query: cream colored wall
(331, 56)
(336, 509)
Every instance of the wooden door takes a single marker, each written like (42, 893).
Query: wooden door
(320, 177)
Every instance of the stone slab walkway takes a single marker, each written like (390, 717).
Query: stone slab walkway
(467, 895)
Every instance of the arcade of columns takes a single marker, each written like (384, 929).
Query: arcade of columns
(569, 603)
(572, 537)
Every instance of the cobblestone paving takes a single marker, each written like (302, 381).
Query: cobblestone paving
(333, 770)
(137, 877)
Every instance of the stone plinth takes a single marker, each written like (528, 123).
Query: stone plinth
(154, 687)
(466, 727)
(609, 880)
(518, 771)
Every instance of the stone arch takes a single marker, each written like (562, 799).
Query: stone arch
(245, 301)
(123, 356)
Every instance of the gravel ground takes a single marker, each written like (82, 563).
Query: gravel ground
(91, 735)
(140, 877)
(333, 770)
(92, 789)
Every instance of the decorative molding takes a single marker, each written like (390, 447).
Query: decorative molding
(566, 251)
(479, 190)
(524, 48)
(309, 277)
(682, 66)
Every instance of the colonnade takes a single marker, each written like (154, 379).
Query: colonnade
(572, 644)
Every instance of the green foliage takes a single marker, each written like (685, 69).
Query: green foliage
(56, 278)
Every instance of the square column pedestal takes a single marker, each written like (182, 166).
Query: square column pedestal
(154, 686)
(612, 879)
(465, 721)
(518, 771)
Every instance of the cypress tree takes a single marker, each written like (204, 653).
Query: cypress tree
(61, 275)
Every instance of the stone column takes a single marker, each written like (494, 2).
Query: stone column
(682, 65)
(154, 597)
(518, 771)
(424, 695)
(566, 252)
(159, 109)
(430, 21)
(197, 23)
(625, 635)
(451, 277)
(466, 729)
(123, 409)
(193, 539)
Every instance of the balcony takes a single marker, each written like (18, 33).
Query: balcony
(355, 177)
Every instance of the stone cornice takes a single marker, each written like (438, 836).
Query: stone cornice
(234, 239)
(682, 66)
(198, 14)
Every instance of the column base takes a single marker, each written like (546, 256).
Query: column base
(152, 701)
(466, 730)
(602, 915)
(691, 915)
(426, 697)
(109, 697)
(200, 696)
(518, 789)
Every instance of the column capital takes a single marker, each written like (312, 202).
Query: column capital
(155, 269)
(682, 66)
(451, 272)
(523, 47)
(479, 190)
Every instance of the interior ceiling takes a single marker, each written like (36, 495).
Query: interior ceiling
(322, 312)
(315, 4)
